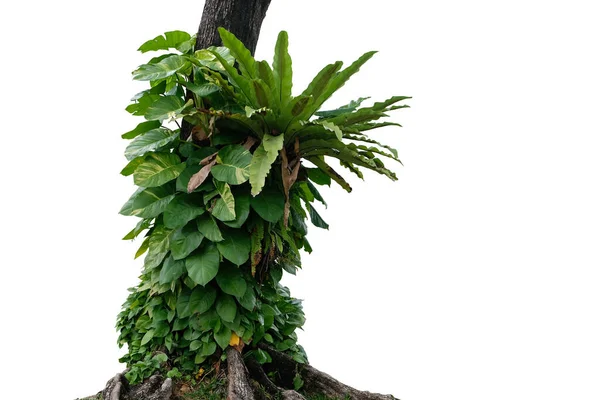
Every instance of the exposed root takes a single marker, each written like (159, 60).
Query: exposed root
(291, 395)
(320, 383)
(259, 375)
(247, 380)
(237, 376)
(154, 388)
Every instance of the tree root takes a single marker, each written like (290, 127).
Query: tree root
(237, 377)
(244, 378)
(154, 388)
(320, 383)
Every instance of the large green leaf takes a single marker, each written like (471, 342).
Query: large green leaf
(150, 141)
(224, 206)
(153, 259)
(208, 349)
(223, 336)
(235, 246)
(142, 104)
(248, 300)
(202, 299)
(246, 62)
(209, 228)
(158, 169)
(242, 210)
(160, 239)
(182, 210)
(203, 266)
(269, 204)
(184, 241)
(231, 280)
(165, 108)
(171, 270)
(142, 127)
(207, 58)
(282, 69)
(163, 69)
(148, 203)
(170, 40)
(233, 165)
(226, 307)
(183, 304)
(132, 166)
(202, 90)
(147, 337)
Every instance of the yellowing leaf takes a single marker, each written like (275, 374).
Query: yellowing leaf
(235, 340)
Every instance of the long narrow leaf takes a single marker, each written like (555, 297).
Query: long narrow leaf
(340, 79)
(368, 140)
(243, 83)
(260, 167)
(243, 56)
(383, 105)
(360, 116)
(282, 69)
(323, 166)
(317, 87)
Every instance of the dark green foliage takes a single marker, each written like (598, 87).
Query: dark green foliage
(224, 211)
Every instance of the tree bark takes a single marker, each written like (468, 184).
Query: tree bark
(243, 18)
(319, 383)
(237, 377)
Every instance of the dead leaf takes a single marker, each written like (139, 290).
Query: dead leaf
(208, 159)
(199, 177)
(185, 388)
(289, 177)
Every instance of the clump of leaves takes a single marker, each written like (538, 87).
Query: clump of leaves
(223, 205)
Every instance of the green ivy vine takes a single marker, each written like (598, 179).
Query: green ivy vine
(224, 208)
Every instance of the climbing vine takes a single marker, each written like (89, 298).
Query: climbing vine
(224, 210)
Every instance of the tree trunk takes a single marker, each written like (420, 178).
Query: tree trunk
(243, 18)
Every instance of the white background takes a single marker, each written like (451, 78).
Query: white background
(475, 276)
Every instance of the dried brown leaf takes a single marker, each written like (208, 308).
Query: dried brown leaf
(199, 177)
(208, 159)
